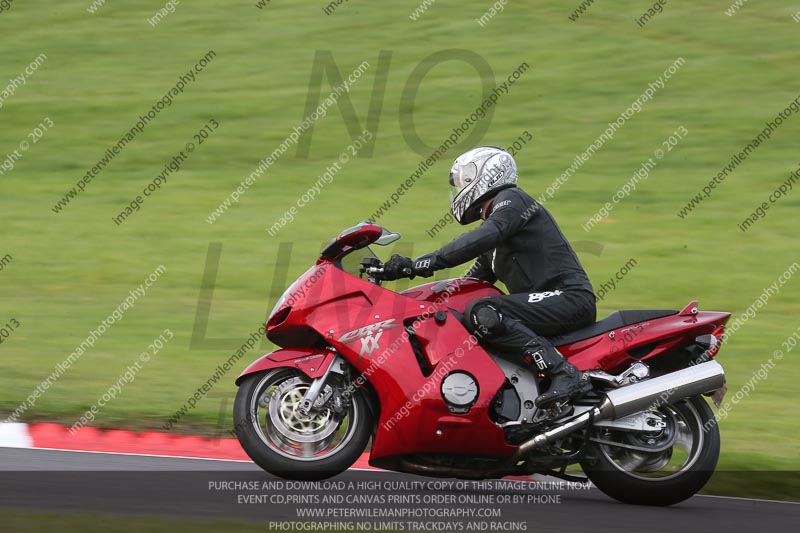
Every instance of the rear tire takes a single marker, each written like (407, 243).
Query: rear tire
(288, 445)
(650, 478)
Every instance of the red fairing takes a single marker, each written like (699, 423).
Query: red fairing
(328, 312)
(641, 341)
(311, 362)
(334, 307)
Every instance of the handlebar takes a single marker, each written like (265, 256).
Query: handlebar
(377, 271)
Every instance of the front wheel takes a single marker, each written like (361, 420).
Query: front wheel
(288, 444)
(657, 468)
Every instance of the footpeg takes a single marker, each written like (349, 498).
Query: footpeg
(636, 372)
(556, 411)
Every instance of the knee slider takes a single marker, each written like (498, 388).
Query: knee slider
(484, 319)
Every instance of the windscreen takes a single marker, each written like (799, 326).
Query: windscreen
(351, 261)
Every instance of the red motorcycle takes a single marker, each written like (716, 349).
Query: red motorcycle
(360, 361)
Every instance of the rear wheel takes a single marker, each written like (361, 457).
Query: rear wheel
(288, 444)
(657, 468)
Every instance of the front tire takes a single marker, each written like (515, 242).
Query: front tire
(283, 442)
(663, 477)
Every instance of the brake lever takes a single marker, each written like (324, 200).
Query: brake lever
(373, 274)
(372, 271)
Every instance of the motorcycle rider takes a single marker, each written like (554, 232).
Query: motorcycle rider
(520, 244)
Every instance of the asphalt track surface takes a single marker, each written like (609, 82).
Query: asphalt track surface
(60, 481)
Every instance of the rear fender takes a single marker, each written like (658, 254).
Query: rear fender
(312, 362)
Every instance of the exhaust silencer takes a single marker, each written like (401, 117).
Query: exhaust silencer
(666, 389)
(651, 393)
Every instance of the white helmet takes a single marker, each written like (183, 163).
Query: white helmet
(478, 175)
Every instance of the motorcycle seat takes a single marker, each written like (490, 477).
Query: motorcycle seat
(615, 320)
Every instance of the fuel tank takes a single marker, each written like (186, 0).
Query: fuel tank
(454, 293)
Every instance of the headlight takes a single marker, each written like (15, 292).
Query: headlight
(278, 305)
(284, 299)
(277, 318)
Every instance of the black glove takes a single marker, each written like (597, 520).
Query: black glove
(425, 265)
(397, 267)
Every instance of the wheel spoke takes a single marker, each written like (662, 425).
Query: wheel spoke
(631, 461)
(685, 440)
(683, 435)
(290, 433)
(307, 449)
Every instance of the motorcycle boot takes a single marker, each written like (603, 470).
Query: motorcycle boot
(567, 383)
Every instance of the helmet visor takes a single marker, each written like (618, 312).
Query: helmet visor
(463, 175)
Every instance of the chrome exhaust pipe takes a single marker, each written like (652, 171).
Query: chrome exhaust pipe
(666, 389)
(651, 393)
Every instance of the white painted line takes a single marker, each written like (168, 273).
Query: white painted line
(256, 468)
(15, 435)
(745, 499)
(147, 455)
(541, 477)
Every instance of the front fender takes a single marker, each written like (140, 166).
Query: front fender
(310, 361)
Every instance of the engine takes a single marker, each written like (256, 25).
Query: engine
(460, 391)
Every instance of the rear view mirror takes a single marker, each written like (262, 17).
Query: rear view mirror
(387, 237)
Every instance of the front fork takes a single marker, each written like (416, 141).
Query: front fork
(337, 366)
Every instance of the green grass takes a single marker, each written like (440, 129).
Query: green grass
(70, 270)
